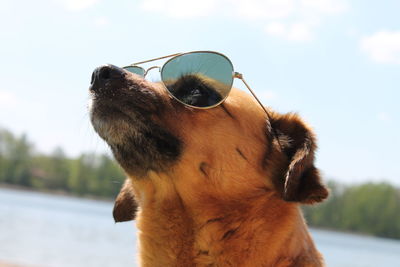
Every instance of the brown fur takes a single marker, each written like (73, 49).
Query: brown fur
(231, 197)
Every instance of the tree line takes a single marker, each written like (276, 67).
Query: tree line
(371, 208)
(87, 174)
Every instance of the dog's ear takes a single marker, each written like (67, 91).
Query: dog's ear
(302, 181)
(125, 206)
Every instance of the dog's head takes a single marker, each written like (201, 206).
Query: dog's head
(219, 153)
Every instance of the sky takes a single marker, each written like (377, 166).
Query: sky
(335, 62)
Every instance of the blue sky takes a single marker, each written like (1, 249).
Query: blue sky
(336, 62)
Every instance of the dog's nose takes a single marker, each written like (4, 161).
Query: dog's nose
(102, 75)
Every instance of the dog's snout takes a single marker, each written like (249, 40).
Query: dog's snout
(102, 75)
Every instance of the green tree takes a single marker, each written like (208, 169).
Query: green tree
(372, 208)
(109, 177)
(81, 173)
(15, 159)
(53, 170)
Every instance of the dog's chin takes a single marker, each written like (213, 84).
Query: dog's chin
(116, 132)
(113, 124)
(137, 142)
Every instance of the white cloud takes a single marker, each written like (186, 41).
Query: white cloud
(78, 5)
(300, 32)
(180, 8)
(276, 28)
(7, 99)
(292, 20)
(325, 6)
(262, 9)
(248, 9)
(352, 32)
(382, 47)
(101, 21)
(383, 116)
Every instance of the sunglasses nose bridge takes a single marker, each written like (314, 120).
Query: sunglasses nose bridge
(149, 69)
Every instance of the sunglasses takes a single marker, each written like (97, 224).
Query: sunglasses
(199, 79)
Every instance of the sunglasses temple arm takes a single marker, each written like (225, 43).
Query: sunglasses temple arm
(240, 76)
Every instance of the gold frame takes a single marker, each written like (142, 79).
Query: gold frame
(235, 74)
(173, 56)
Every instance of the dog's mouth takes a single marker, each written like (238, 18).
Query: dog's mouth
(121, 88)
(121, 104)
(124, 109)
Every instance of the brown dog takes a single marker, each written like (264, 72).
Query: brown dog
(211, 187)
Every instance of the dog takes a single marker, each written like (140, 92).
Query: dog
(209, 187)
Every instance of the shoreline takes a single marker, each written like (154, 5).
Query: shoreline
(53, 193)
(8, 264)
(110, 200)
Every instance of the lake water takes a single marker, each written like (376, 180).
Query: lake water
(56, 231)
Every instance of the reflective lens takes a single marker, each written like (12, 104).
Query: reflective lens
(198, 79)
(135, 69)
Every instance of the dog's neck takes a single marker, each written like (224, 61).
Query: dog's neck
(254, 230)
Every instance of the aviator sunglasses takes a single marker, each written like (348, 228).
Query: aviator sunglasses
(199, 79)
